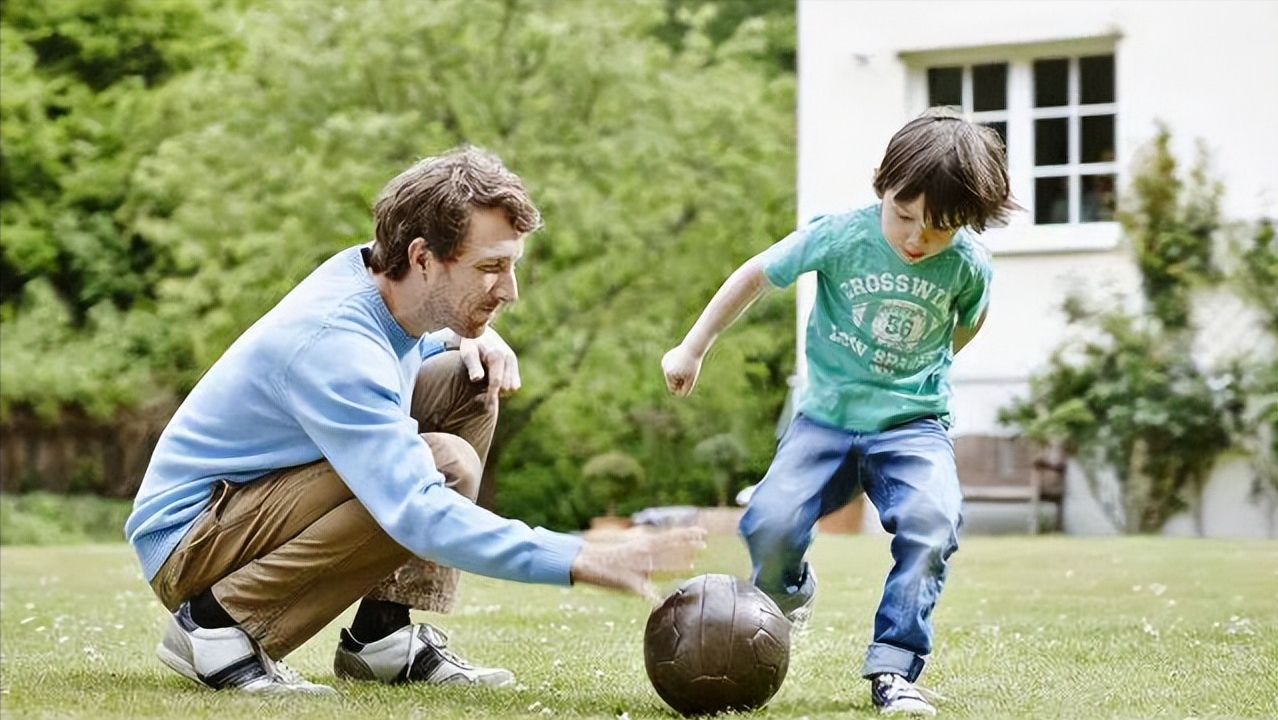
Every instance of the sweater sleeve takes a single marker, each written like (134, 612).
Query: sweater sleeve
(343, 390)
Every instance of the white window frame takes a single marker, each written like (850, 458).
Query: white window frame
(1022, 235)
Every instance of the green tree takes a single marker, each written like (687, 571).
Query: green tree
(1127, 390)
(724, 454)
(657, 172)
(771, 24)
(610, 477)
(1253, 275)
(77, 116)
(1172, 224)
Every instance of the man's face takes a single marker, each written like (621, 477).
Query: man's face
(465, 293)
(906, 232)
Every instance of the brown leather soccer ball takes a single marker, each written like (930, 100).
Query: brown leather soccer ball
(716, 644)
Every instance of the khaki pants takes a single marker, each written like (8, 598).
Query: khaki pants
(289, 552)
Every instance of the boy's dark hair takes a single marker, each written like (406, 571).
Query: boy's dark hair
(958, 166)
(434, 199)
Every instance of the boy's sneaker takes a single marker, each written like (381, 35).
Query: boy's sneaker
(894, 695)
(800, 616)
(414, 653)
(225, 658)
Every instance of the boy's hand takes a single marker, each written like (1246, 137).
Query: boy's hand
(681, 368)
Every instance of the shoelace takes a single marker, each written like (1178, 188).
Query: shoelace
(439, 640)
(931, 696)
(800, 616)
(282, 671)
(289, 675)
(902, 686)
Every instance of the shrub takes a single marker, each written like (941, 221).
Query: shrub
(1126, 388)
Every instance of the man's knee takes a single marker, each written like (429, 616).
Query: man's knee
(443, 386)
(445, 399)
(458, 461)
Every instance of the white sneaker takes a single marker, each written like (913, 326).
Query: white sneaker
(224, 658)
(800, 617)
(414, 653)
(892, 694)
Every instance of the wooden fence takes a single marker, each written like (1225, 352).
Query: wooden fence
(75, 453)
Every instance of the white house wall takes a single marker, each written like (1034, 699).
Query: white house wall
(1209, 70)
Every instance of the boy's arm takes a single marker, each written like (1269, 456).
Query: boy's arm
(964, 335)
(682, 364)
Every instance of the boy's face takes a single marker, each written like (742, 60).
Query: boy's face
(906, 232)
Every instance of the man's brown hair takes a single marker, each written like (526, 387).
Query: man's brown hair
(434, 199)
(959, 167)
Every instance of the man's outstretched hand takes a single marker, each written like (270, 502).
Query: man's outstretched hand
(629, 565)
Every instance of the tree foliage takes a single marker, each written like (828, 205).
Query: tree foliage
(1127, 388)
(1171, 224)
(609, 477)
(696, 23)
(1254, 277)
(177, 166)
(77, 119)
(725, 455)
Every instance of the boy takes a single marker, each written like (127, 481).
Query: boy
(901, 287)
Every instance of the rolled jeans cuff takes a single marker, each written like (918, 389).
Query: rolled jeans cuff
(880, 658)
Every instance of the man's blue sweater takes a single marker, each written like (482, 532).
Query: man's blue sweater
(329, 373)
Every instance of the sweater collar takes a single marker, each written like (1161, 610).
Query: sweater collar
(401, 341)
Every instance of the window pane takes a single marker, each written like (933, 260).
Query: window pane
(1051, 141)
(1097, 78)
(945, 86)
(1001, 129)
(1097, 139)
(1098, 200)
(1051, 78)
(989, 87)
(1051, 200)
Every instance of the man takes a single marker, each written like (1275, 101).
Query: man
(333, 454)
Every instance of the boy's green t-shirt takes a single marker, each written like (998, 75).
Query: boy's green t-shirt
(879, 336)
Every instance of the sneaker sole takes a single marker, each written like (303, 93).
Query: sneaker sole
(916, 711)
(495, 680)
(177, 664)
(348, 666)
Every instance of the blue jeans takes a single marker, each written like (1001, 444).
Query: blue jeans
(908, 473)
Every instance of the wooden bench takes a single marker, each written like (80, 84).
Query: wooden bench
(1011, 469)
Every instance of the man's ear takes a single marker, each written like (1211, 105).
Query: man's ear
(418, 256)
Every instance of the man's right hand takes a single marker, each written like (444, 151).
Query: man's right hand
(628, 566)
(681, 368)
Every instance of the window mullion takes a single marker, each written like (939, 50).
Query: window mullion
(967, 93)
(1020, 132)
(1073, 88)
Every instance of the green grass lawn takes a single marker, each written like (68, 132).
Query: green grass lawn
(1028, 627)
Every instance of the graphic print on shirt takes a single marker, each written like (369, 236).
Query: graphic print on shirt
(894, 321)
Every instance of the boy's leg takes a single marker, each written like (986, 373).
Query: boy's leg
(912, 481)
(813, 474)
(445, 400)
